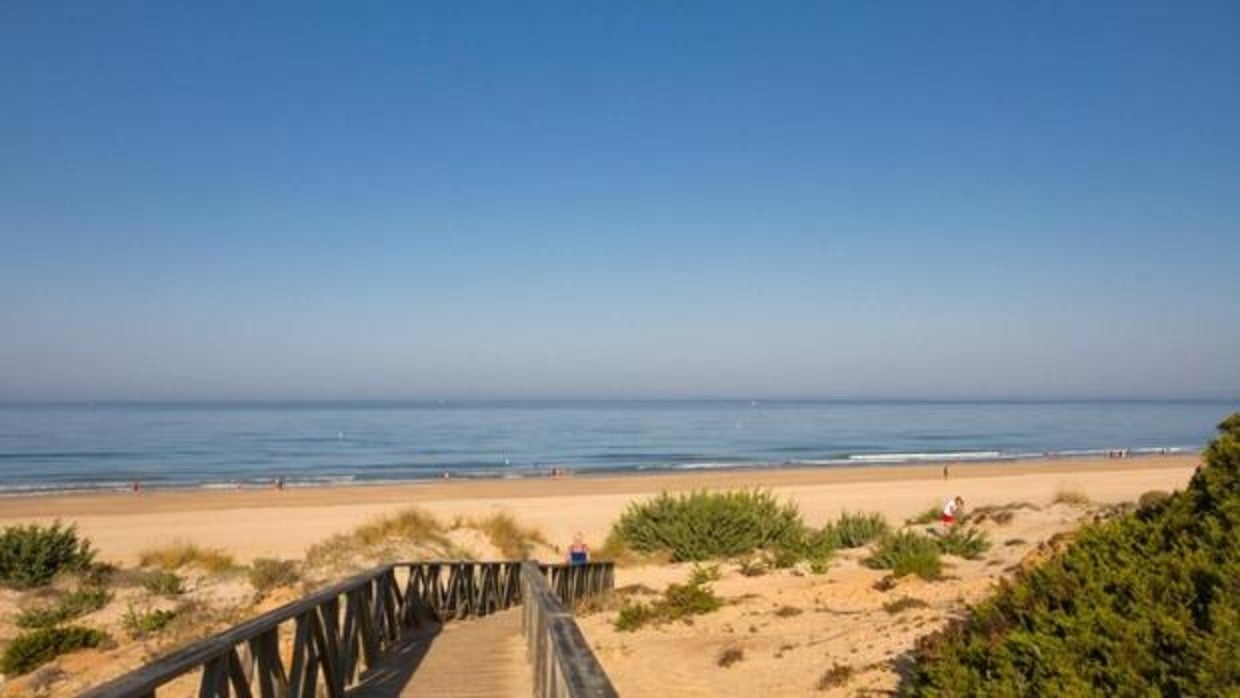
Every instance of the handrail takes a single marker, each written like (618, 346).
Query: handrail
(340, 631)
(563, 663)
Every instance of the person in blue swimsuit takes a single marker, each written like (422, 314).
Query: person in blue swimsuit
(578, 552)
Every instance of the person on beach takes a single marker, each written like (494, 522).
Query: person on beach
(578, 552)
(951, 508)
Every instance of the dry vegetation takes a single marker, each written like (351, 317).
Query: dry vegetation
(82, 623)
(182, 554)
(1071, 496)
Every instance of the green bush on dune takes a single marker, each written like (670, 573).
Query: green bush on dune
(718, 525)
(704, 525)
(72, 605)
(1146, 604)
(905, 553)
(963, 541)
(853, 530)
(32, 649)
(30, 556)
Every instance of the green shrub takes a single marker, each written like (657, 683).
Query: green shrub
(266, 574)
(30, 556)
(969, 543)
(36, 647)
(705, 525)
(853, 530)
(906, 553)
(679, 602)
(161, 583)
(1142, 604)
(145, 622)
(634, 615)
(72, 605)
(806, 544)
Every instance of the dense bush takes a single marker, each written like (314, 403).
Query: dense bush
(907, 553)
(30, 556)
(31, 649)
(963, 541)
(704, 525)
(72, 605)
(1145, 604)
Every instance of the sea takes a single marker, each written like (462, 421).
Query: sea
(48, 448)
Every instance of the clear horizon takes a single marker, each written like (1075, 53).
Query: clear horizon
(823, 202)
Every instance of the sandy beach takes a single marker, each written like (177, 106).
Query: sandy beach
(283, 523)
(790, 627)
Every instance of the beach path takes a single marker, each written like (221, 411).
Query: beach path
(476, 658)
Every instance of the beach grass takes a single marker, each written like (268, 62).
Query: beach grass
(181, 554)
(855, 529)
(266, 574)
(905, 553)
(1071, 496)
(513, 540)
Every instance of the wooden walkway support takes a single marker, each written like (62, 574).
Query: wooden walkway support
(340, 632)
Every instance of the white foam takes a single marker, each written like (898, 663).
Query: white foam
(907, 457)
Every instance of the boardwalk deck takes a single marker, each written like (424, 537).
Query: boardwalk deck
(477, 658)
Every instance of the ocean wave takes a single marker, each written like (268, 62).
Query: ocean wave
(720, 465)
(911, 457)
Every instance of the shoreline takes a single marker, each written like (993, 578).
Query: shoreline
(867, 463)
(272, 523)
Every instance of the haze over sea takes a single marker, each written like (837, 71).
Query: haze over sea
(79, 446)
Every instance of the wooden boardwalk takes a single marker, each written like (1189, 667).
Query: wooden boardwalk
(381, 634)
(475, 658)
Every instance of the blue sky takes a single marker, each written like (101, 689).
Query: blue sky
(650, 199)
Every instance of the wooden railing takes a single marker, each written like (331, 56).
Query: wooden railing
(564, 665)
(342, 630)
